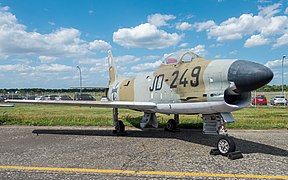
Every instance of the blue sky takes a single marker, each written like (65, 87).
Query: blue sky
(42, 42)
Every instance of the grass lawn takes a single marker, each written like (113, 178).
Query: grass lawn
(48, 115)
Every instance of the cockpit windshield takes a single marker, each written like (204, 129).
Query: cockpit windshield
(179, 56)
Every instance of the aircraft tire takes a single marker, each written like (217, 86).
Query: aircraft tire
(226, 145)
(171, 125)
(120, 127)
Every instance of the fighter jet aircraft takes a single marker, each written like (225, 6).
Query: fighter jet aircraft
(183, 84)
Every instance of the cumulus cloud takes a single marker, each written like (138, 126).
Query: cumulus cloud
(183, 26)
(160, 19)
(145, 36)
(200, 26)
(64, 42)
(14, 68)
(183, 45)
(146, 66)
(269, 11)
(267, 25)
(273, 64)
(199, 50)
(99, 45)
(256, 40)
(126, 59)
(41, 68)
(286, 11)
(283, 40)
(47, 59)
(53, 68)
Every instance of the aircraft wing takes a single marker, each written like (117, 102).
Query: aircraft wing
(104, 104)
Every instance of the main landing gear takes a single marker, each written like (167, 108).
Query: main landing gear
(214, 124)
(119, 125)
(172, 124)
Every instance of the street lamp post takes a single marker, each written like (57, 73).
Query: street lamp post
(80, 80)
(283, 74)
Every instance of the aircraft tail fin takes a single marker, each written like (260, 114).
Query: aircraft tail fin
(112, 68)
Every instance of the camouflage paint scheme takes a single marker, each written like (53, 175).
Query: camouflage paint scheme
(191, 81)
(183, 84)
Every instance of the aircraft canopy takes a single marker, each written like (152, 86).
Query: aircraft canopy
(179, 56)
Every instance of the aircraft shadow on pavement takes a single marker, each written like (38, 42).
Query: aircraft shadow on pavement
(189, 135)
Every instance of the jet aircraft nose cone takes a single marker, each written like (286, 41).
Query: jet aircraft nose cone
(249, 76)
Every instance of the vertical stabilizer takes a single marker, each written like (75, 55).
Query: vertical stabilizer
(112, 68)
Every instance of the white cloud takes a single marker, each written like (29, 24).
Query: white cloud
(99, 45)
(126, 59)
(269, 11)
(39, 69)
(234, 52)
(92, 61)
(5, 8)
(199, 50)
(53, 68)
(145, 36)
(52, 23)
(201, 26)
(286, 11)
(183, 45)
(183, 26)
(14, 68)
(274, 25)
(47, 59)
(281, 41)
(15, 40)
(264, 1)
(256, 40)
(233, 28)
(160, 19)
(266, 24)
(146, 66)
(274, 64)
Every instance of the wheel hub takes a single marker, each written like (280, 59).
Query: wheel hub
(223, 146)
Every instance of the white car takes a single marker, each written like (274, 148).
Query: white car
(279, 99)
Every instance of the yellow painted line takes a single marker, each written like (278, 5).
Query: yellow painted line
(130, 172)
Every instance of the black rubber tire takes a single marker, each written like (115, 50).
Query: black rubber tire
(120, 127)
(171, 125)
(225, 145)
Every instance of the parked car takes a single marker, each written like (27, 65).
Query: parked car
(14, 96)
(2, 98)
(260, 99)
(84, 97)
(279, 99)
(30, 97)
(50, 97)
(65, 98)
(38, 97)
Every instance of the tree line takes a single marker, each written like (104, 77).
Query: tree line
(42, 90)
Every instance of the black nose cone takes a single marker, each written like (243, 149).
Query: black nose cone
(249, 76)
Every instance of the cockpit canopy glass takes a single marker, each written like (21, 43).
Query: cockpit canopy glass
(179, 56)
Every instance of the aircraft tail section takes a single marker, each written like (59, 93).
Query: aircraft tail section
(112, 68)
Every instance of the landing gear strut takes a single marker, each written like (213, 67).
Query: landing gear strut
(215, 124)
(172, 124)
(119, 125)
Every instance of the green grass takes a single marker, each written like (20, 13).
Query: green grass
(40, 115)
